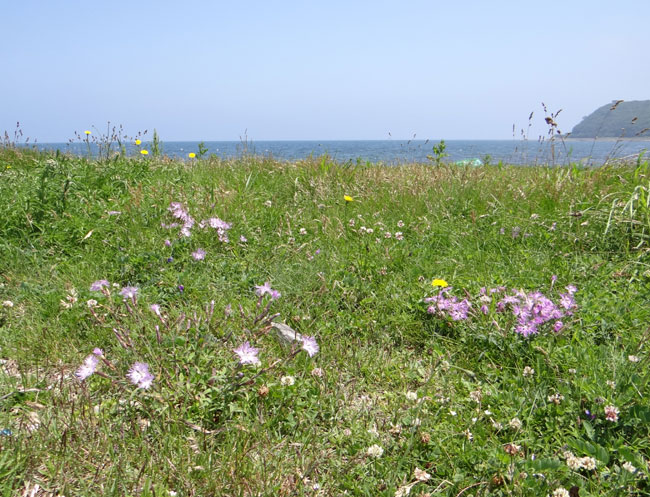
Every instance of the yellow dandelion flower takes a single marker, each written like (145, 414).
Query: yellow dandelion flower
(87, 132)
(347, 198)
(138, 142)
(144, 152)
(440, 283)
(191, 155)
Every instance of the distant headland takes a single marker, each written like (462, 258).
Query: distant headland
(618, 119)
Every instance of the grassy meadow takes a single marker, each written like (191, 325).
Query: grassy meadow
(465, 331)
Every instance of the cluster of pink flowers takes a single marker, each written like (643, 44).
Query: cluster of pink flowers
(179, 212)
(446, 305)
(532, 310)
(265, 289)
(138, 374)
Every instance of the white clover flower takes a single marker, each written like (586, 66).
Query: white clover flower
(287, 381)
(528, 372)
(7, 303)
(633, 358)
(375, 451)
(515, 424)
(421, 475)
(561, 492)
(412, 396)
(627, 466)
(573, 462)
(589, 463)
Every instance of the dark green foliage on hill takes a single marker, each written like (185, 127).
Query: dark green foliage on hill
(617, 119)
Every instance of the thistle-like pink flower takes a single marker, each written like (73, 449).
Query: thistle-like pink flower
(310, 345)
(97, 286)
(199, 254)
(140, 376)
(247, 354)
(129, 292)
(88, 367)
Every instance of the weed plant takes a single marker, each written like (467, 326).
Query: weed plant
(451, 330)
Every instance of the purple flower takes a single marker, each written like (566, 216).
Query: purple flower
(484, 309)
(310, 345)
(243, 239)
(88, 367)
(181, 288)
(275, 295)
(98, 285)
(247, 354)
(219, 224)
(168, 243)
(261, 290)
(129, 292)
(558, 326)
(98, 352)
(170, 259)
(155, 308)
(199, 254)
(140, 376)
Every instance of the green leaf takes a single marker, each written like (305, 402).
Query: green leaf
(589, 429)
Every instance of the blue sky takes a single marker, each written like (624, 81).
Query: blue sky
(214, 70)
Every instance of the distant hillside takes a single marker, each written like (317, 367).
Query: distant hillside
(618, 119)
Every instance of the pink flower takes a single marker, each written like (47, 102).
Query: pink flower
(310, 345)
(88, 367)
(199, 254)
(247, 354)
(140, 376)
(98, 285)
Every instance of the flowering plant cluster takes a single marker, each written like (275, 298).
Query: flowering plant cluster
(530, 310)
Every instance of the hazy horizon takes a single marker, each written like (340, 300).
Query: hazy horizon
(337, 71)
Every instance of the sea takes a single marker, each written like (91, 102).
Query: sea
(394, 152)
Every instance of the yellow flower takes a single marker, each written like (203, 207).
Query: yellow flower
(191, 155)
(440, 283)
(144, 152)
(347, 198)
(87, 132)
(138, 142)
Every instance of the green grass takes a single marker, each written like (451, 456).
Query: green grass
(209, 426)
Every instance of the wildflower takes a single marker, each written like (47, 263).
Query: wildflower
(468, 435)
(351, 223)
(496, 425)
(399, 236)
(140, 376)
(243, 239)
(263, 391)
(421, 475)
(129, 292)
(375, 451)
(528, 372)
(411, 396)
(476, 395)
(287, 381)
(144, 152)
(261, 290)
(91, 303)
(155, 308)
(400, 224)
(560, 492)
(98, 352)
(87, 132)
(611, 413)
(633, 358)
(611, 384)
(191, 155)
(7, 303)
(512, 449)
(247, 354)
(97, 286)
(515, 424)
(558, 326)
(444, 365)
(88, 367)
(347, 198)
(588, 463)
(439, 283)
(168, 243)
(303, 231)
(310, 345)
(387, 234)
(198, 254)
(138, 141)
(556, 398)
(627, 466)
(317, 372)
(268, 203)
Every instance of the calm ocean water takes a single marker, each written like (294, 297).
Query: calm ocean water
(397, 152)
